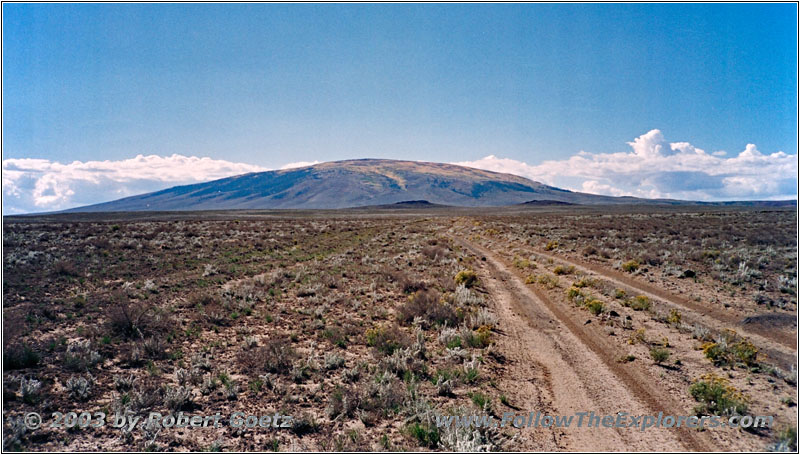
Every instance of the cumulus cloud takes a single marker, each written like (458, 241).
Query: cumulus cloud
(35, 185)
(655, 168)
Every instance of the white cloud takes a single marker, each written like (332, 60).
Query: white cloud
(32, 185)
(593, 186)
(654, 168)
(299, 164)
(649, 144)
(658, 169)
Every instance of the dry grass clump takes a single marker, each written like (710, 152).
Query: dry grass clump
(387, 339)
(66, 268)
(80, 356)
(464, 297)
(564, 270)
(277, 355)
(370, 400)
(589, 250)
(545, 279)
(523, 264)
(435, 252)
(406, 282)
(79, 387)
(429, 307)
(128, 319)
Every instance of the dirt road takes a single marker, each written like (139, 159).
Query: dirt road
(568, 367)
(778, 345)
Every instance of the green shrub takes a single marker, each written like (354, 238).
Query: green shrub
(573, 293)
(480, 400)
(584, 282)
(619, 294)
(446, 374)
(547, 280)
(386, 340)
(730, 350)
(256, 385)
(336, 336)
(454, 343)
(564, 270)
(630, 266)
(595, 307)
(479, 338)
(659, 355)
(20, 356)
(551, 245)
(786, 441)
(639, 303)
(466, 277)
(471, 375)
(522, 263)
(674, 317)
(717, 397)
(426, 435)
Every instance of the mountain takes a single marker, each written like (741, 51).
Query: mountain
(406, 205)
(544, 202)
(355, 183)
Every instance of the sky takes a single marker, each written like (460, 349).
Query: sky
(691, 101)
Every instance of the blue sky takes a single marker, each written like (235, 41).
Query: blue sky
(266, 85)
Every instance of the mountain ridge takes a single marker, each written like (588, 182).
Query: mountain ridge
(356, 183)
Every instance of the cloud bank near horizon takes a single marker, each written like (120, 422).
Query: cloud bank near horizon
(654, 168)
(36, 185)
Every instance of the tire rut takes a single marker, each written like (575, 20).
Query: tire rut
(524, 380)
